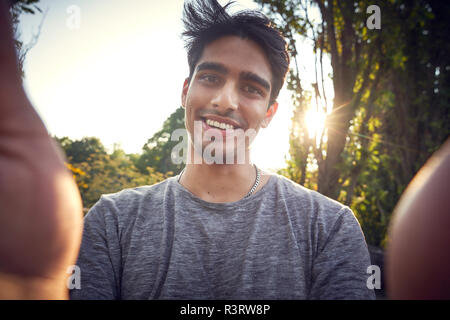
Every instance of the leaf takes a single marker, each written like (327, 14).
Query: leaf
(26, 9)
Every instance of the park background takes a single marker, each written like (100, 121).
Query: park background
(365, 104)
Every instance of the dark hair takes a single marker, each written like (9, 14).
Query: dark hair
(206, 20)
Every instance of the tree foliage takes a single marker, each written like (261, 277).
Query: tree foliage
(157, 152)
(390, 106)
(97, 172)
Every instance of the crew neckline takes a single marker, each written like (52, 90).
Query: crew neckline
(255, 197)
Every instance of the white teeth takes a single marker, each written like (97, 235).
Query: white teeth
(220, 125)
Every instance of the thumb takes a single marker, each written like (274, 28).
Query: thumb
(9, 70)
(16, 113)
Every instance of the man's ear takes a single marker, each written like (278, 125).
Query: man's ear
(269, 114)
(184, 92)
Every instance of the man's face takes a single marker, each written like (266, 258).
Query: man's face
(229, 92)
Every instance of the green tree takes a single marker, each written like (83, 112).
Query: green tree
(342, 35)
(81, 150)
(157, 152)
(97, 172)
(391, 97)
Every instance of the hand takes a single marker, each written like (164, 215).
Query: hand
(418, 256)
(40, 206)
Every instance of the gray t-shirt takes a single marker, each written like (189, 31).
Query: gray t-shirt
(163, 242)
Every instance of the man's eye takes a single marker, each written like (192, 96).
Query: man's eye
(252, 90)
(209, 78)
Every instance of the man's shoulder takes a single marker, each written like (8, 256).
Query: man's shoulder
(306, 206)
(311, 210)
(135, 193)
(129, 201)
(299, 194)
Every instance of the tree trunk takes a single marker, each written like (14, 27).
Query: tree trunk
(345, 103)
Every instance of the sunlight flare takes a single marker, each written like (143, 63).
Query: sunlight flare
(315, 122)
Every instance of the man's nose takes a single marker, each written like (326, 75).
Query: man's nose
(226, 98)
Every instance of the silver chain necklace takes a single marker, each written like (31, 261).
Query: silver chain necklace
(255, 185)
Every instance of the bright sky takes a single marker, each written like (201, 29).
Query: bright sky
(117, 72)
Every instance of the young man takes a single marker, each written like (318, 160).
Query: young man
(223, 229)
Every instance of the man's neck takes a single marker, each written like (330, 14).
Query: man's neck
(219, 182)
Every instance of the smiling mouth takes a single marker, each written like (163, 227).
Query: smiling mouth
(218, 124)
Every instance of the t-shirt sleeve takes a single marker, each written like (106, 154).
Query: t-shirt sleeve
(339, 269)
(99, 257)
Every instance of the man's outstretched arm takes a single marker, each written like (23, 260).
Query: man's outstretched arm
(40, 206)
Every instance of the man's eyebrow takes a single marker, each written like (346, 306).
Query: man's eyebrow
(212, 66)
(250, 76)
(247, 75)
